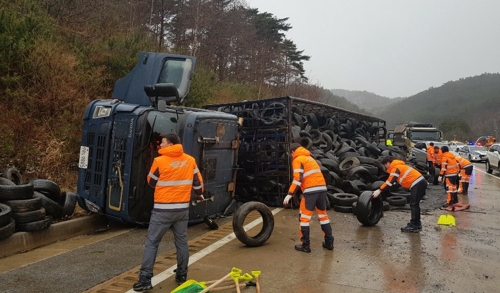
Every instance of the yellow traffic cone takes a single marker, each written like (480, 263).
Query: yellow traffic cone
(448, 220)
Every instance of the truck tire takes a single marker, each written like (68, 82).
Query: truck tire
(369, 210)
(8, 230)
(27, 217)
(24, 205)
(48, 187)
(52, 208)
(35, 226)
(68, 203)
(8, 192)
(13, 175)
(5, 214)
(267, 223)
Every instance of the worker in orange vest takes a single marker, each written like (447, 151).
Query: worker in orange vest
(409, 178)
(465, 172)
(430, 157)
(449, 169)
(307, 177)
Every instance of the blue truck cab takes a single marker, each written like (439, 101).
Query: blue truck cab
(121, 137)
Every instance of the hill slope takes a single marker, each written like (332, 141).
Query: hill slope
(476, 100)
(366, 100)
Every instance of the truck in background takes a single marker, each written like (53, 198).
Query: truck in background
(406, 135)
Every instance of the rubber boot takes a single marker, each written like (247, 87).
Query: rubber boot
(454, 198)
(465, 188)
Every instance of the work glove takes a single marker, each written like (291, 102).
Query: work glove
(440, 179)
(200, 197)
(376, 193)
(287, 199)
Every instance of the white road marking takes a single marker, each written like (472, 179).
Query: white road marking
(484, 172)
(204, 252)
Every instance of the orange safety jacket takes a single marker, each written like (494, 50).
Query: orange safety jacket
(402, 174)
(306, 173)
(173, 175)
(449, 165)
(438, 157)
(463, 163)
(430, 153)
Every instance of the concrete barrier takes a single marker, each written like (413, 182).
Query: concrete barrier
(25, 241)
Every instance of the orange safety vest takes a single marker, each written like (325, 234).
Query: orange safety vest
(402, 174)
(462, 162)
(306, 173)
(173, 175)
(449, 165)
(438, 157)
(430, 153)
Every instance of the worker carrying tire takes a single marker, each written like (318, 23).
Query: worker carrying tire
(308, 177)
(465, 172)
(409, 178)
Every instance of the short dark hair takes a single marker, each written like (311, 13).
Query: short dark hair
(386, 160)
(172, 138)
(431, 144)
(444, 149)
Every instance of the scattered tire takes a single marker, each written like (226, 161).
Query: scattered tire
(5, 181)
(8, 230)
(397, 200)
(35, 226)
(24, 205)
(267, 221)
(369, 210)
(387, 206)
(52, 208)
(48, 188)
(5, 214)
(354, 206)
(24, 191)
(13, 175)
(68, 203)
(344, 199)
(27, 217)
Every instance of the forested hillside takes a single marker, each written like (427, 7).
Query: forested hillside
(466, 108)
(58, 55)
(371, 102)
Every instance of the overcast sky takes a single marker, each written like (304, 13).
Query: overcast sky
(393, 48)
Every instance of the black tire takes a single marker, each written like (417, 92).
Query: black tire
(52, 208)
(35, 226)
(28, 217)
(68, 203)
(397, 201)
(8, 192)
(488, 167)
(342, 209)
(25, 205)
(5, 214)
(210, 223)
(5, 181)
(387, 206)
(347, 164)
(436, 176)
(267, 223)
(13, 175)
(354, 206)
(8, 230)
(48, 188)
(344, 199)
(369, 210)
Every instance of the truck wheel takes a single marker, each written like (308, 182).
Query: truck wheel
(267, 223)
(369, 210)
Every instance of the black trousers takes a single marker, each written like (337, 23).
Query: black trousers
(416, 194)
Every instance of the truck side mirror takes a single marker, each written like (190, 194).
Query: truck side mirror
(162, 91)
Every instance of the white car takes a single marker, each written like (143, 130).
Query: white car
(473, 153)
(493, 158)
(456, 145)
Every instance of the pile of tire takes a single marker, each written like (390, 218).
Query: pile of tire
(31, 206)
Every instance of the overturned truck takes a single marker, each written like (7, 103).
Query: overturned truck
(346, 144)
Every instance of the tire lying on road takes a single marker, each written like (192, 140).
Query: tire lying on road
(239, 221)
(369, 210)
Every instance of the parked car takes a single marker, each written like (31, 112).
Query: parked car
(493, 158)
(456, 145)
(473, 153)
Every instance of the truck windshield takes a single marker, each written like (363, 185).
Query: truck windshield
(425, 135)
(177, 71)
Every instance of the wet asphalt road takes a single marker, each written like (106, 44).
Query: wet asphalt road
(465, 258)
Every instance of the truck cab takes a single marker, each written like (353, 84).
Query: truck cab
(121, 138)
